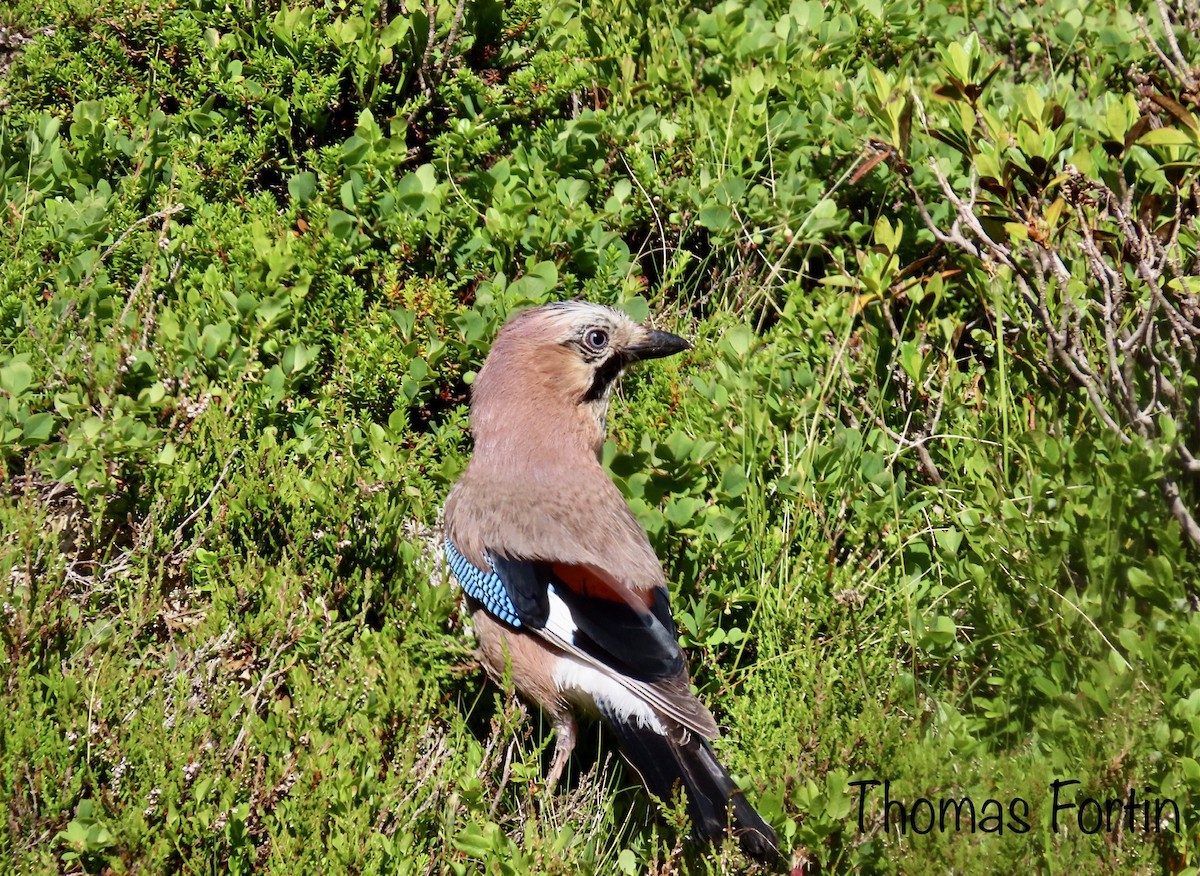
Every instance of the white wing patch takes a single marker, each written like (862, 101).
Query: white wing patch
(578, 681)
(560, 622)
(590, 686)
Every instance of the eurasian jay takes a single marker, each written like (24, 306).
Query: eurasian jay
(567, 598)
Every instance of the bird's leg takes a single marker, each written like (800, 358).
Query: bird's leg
(564, 744)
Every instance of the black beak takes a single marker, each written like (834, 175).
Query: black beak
(657, 344)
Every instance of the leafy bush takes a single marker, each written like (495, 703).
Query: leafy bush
(923, 490)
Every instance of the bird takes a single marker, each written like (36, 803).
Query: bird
(567, 598)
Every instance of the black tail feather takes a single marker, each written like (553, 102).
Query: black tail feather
(713, 800)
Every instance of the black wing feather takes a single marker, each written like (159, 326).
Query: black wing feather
(526, 584)
(714, 802)
(636, 643)
(640, 644)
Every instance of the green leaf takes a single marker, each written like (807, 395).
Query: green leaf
(303, 186)
(297, 357)
(886, 236)
(536, 282)
(341, 224)
(214, 338)
(1190, 769)
(414, 191)
(679, 445)
(738, 340)
(396, 30)
(941, 632)
(734, 481)
(37, 429)
(473, 842)
(1141, 582)
(715, 217)
(637, 307)
(15, 378)
(948, 541)
(275, 378)
(911, 359)
(1169, 137)
(1167, 428)
(627, 862)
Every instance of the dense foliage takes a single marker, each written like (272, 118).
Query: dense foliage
(926, 490)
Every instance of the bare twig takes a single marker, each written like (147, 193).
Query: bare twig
(145, 220)
(1131, 349)
(178, 534)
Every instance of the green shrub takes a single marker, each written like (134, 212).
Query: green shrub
(252, 256)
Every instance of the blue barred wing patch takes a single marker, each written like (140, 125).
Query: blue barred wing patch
(484, 586)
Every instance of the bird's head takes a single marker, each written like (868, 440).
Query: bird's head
(554, 367)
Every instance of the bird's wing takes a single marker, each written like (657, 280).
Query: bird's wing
(627, 635)
(632, 633)
(671, 697)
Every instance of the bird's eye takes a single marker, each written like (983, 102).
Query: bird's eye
(596, 339)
